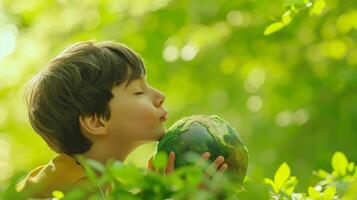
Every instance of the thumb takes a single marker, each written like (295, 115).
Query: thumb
(171, 163)
(149, 165)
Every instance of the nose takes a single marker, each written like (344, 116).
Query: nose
(160, 98)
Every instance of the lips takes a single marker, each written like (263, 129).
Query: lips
(164, 117)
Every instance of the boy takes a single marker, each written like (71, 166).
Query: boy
(93, 99)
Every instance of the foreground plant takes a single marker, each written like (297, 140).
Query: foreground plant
(338, 184)
(119, 181)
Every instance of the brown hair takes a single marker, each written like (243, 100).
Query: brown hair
(78, 82)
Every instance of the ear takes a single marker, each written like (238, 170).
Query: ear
(93, 125)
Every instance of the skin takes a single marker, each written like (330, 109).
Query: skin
(136, 118)
(217, 165)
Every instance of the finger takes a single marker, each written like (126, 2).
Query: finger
(150, 166)
(204, 158)
(215, 165)
(223, 168)
(218, 162)
(171, 163)
(219, 173)
(205, 155)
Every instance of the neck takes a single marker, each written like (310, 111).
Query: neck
(104, 151)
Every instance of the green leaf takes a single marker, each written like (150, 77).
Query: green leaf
(281, 175)
(126, 174)
(286, 17)
(88, 169)
(339, 163)
(96, 165)
(318, 7)
(57, 194)
(293, 8)
(351, 166)
(329, 193)
(160, 160)
(274, 27)
(268, 181)
(321, 173)
(313, 193)
(290, 185)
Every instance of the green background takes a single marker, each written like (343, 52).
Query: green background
(291, 95)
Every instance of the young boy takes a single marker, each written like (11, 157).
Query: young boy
(94, 100)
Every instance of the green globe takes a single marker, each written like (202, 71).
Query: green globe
(197, 134)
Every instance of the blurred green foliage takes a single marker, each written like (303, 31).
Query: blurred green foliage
(120, 181)
(291, 94)
(335, 185)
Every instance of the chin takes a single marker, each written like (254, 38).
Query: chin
(156, 134)
(160, 135)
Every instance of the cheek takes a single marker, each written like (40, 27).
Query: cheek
(145, 118)
(135, 119)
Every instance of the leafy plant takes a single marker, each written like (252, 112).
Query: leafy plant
(334, 185)
(119, 181)
(315, 7)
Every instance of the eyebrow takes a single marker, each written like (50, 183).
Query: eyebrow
(141, 77)
(127, 83)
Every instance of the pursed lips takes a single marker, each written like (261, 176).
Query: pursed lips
(164, 117)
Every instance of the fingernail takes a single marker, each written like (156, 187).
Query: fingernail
(208, 154)
(221, 158)
(225, 166)
(171, 153)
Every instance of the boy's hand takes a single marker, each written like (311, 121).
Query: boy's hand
(170, 167)
(216, 165)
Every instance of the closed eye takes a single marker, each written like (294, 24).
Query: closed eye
(138, 93)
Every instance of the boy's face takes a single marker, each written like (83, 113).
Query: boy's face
(137, 114)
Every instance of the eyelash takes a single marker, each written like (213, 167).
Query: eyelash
(138, 93)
